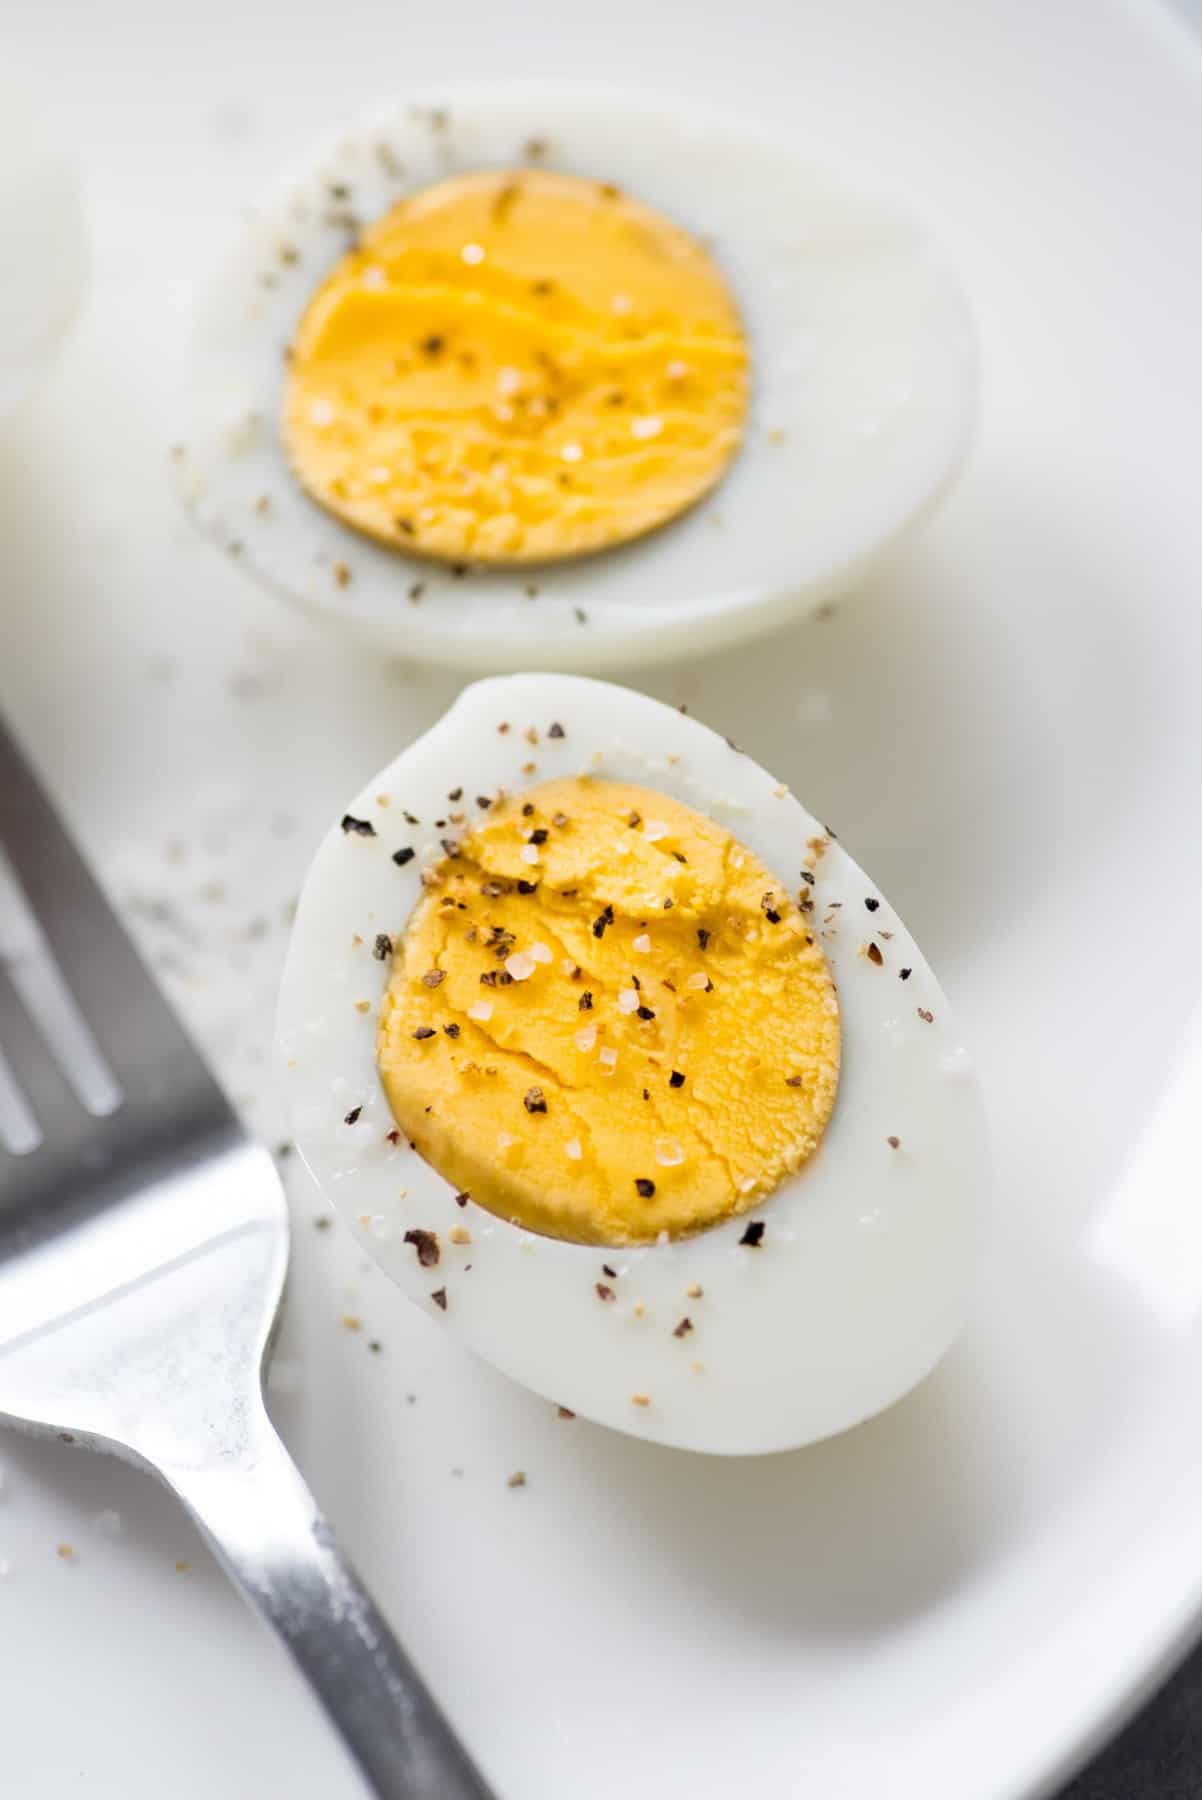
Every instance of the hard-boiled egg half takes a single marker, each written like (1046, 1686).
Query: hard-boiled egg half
(518, 376)
(627, 1074)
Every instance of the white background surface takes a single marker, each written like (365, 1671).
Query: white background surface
(1005, 731)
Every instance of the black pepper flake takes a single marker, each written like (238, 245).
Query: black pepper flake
(871, 904)
(527, 887)
(807, 875)
(683, 1329)
(434, 344)
(607, 1270)
(703, 937)
(322, 1224)
(644, 1012)
(353, 1115)
(424, 1031)
(463, 1198)
(405, 525)
(644, 1188)
(375, 1346)
(439, 1297)
(753, 1237)
(585, 1002)
(772, 916)
(426, 1245)
(676, 1079)
(894, 1143)
(452, 1030)
(540, 836)
(792, 1080)
(483, 801)
(904, 974)
(361, 827)
(555, 730)
(581, 615)
(455, 794)
(382, 948)
(929, 1017)
(434, 978)
(392, 1137)
(634, 819)
(528, 810)
(450, 846)
(602, 920)
(646, 1093)
(459, 570)
(635, 982)
(488, 978)
(603, 1291)
(416, 591)
(874, 955)
(410, 818)
(534, 1100)
(564, 1412)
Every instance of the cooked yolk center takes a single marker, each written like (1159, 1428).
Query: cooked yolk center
(607, 1020)
(516, 366)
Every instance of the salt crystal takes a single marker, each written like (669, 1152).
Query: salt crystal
(668, 1152)
(509, 380)
(520, 965)
(540, 953)
(573, 1149)
(481, 1010)
(472, 253)
(529, 853)
(321, 412)
(608, 1058)
(642, 943)
(628, 1000)
(653, 830)
(646, 427)
(571, 453)
(586, 1037)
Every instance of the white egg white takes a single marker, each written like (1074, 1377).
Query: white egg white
(864, 1273)
(864, 374)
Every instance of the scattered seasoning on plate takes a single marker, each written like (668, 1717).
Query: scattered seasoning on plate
(462, 1199)
(382, 948)
(439, 1297)
(694, 1290)
(352, 1117)
(517, 1479)
(603, 1291)
(401, 857)
(904, 974)
(607, 1269)
(425, 1243)
(871, 904)
(640, 1399)
(361, 827)
(927, 1017)
(351, 1322)
(753, 1237)
(683, 1329)
(873, 953)
(894, 1143)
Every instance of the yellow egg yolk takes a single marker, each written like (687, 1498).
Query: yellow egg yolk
(606, 1020)
(513, 367)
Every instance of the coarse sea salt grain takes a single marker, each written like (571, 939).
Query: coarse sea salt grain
(653, 830)
(668, 1152)
(540, 953)
(698, 979)
(480, 1010)
(472, 253)
(529, 853)
(647, 427)
(628, 1000)
(520, 965)
(571, 453)
(321, 412)
(573, 1149)
(642, 943)
(586, 1037)
(608, 1058)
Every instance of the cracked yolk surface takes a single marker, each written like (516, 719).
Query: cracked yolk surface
(607, 1020)
(512, 367)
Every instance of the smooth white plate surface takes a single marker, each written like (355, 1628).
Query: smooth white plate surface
(1006, 731)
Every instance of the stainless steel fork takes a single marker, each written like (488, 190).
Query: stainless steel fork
(143, 1246)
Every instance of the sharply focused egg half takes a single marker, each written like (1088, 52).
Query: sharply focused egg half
(627, 1073)
(546, 375)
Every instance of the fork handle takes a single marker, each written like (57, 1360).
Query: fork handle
(266, 1529)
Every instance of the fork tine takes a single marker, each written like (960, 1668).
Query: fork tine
(20, 1132)
(110, 992)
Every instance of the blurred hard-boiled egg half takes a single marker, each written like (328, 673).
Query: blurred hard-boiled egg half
(44, 245)
(549, 375)
(628, 1075)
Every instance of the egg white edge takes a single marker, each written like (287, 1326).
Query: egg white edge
(866, 1269)
(232, 425)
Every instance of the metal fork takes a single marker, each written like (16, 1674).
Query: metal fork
(143, 1247)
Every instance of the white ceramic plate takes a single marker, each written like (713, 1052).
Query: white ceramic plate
(952, 1603)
